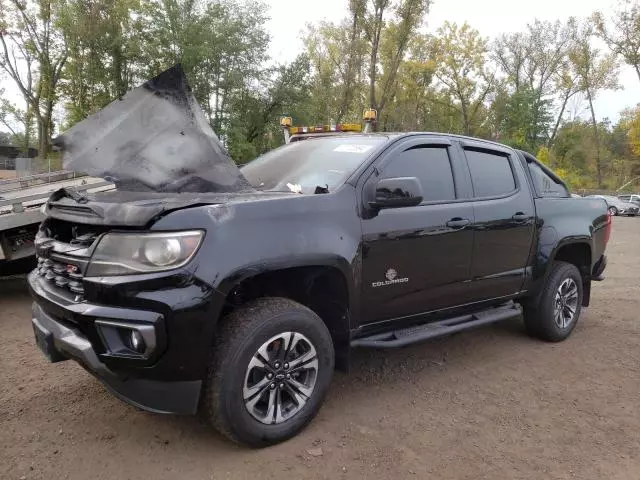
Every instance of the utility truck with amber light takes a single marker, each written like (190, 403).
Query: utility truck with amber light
(236, 292)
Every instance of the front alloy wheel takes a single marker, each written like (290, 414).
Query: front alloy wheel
(280, 378)
(272, 364)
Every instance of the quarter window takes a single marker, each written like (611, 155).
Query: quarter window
(545, 185)
(431, 166)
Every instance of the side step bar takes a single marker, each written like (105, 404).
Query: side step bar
(407, 336)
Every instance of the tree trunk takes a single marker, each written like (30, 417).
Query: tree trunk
(372, 77)
(118, 67)
(348, 88)
(27, 129)
(596, 138)
(637, 69)
(552, 138)
(465, 118)
(43, 137)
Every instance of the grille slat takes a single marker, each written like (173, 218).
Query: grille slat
(61, 275)
(67, 260)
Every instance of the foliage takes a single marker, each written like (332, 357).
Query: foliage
(76, 56)
(622, 32)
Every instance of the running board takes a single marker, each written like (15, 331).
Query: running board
(407, 336)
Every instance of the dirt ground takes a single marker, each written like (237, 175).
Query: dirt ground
(487, 404)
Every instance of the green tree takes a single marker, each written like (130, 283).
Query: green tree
(33, 52)
(104, 51)
(526, 120)
(461, 55)
(622, 32)
(534, 62)
(388, 29)
(254, 124)
(595, 71)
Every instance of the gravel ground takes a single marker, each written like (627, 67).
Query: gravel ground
(487, 404)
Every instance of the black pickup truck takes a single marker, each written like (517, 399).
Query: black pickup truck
(237, 292)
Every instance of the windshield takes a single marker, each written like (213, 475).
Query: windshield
(303, 166)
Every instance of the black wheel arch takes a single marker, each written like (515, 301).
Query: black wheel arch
(325, 285)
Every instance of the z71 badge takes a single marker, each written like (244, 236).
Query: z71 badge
(391, 279)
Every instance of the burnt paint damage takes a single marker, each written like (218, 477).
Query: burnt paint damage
(137, 209)
(155, 138)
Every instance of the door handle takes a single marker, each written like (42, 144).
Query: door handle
(520, 216)
(458, 222)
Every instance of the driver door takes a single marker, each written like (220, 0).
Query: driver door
(417, 259)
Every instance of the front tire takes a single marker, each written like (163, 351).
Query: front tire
(613, 211)
(272, 366)
(555, 315)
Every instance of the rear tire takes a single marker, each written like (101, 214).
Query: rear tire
(558, 309)
(261, 401)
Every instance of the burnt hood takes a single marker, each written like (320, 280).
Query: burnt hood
(154, 139)
(138, 209)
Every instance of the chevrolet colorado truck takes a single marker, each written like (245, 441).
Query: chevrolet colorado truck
(199, 287)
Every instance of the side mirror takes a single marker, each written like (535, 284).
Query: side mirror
(397, 192)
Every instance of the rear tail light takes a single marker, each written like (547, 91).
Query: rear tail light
(609, 227)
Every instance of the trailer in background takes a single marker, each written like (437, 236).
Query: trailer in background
(21, 202)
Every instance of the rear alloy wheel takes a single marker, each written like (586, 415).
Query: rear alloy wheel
(613, 211)
(557, 311)
(272, 366)
(566, 303)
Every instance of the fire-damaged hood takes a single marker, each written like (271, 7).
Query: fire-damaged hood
(137, 209)
(154, 139)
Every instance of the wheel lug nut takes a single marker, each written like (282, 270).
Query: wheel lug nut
(277, 365)
(272, 386)
(286, 365)
(288, 376)
(269, 376)
(282, 385)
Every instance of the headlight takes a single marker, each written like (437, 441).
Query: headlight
(127, 253)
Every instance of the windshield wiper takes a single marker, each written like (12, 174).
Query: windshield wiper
(320, 189)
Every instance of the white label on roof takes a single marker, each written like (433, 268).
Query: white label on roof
(351, 148)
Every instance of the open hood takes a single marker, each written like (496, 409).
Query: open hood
(154, 139)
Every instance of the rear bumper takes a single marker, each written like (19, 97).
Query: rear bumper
(60, 340)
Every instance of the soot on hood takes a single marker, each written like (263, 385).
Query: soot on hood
(155, 138)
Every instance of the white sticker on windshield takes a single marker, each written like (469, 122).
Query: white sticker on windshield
(351, 148)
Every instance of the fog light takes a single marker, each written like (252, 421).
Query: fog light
(137, 342)
(124, 339)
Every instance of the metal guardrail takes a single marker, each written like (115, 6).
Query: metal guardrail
(18, 183)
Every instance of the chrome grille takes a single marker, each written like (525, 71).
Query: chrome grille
(61, 274)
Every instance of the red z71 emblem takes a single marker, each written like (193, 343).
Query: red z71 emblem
(72, 269)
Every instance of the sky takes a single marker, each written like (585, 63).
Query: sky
(490, 17)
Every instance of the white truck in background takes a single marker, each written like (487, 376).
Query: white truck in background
(21, 200)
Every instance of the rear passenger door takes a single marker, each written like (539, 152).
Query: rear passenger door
(504, 216)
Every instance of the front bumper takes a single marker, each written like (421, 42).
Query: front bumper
(60, 339)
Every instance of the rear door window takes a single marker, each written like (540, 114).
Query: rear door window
(491, 173)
